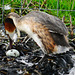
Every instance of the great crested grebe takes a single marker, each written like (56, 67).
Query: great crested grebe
(48, 31)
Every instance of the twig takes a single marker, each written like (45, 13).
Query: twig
(37, 72)
(23, 4)
(8, 38)
(25, 39)
(27, 5)
(71, 27)
(36, 50)
(43, 3)
(72, 39)
(10, 2)
(33, 5)
(63, 18)
(72, 5)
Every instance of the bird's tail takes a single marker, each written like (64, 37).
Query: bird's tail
(62, 44)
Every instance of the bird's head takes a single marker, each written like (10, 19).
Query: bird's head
(12, 15)
(10, 27)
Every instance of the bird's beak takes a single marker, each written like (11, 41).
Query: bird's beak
(11, 42)
(12, 38)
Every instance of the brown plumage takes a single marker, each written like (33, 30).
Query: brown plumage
(9, 26)
(10, 30)
(47, 31)
(44, 35)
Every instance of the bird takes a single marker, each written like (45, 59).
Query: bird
(10, 30)
(48, 31)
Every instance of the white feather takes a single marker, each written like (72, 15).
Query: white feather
(12, 35)
(61, 49)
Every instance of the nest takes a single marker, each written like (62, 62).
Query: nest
(28, 63)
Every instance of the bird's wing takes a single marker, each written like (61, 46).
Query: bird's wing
(53, 23)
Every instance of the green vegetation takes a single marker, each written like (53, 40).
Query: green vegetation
(43, 5)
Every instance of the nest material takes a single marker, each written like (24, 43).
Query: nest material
(28, 61)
